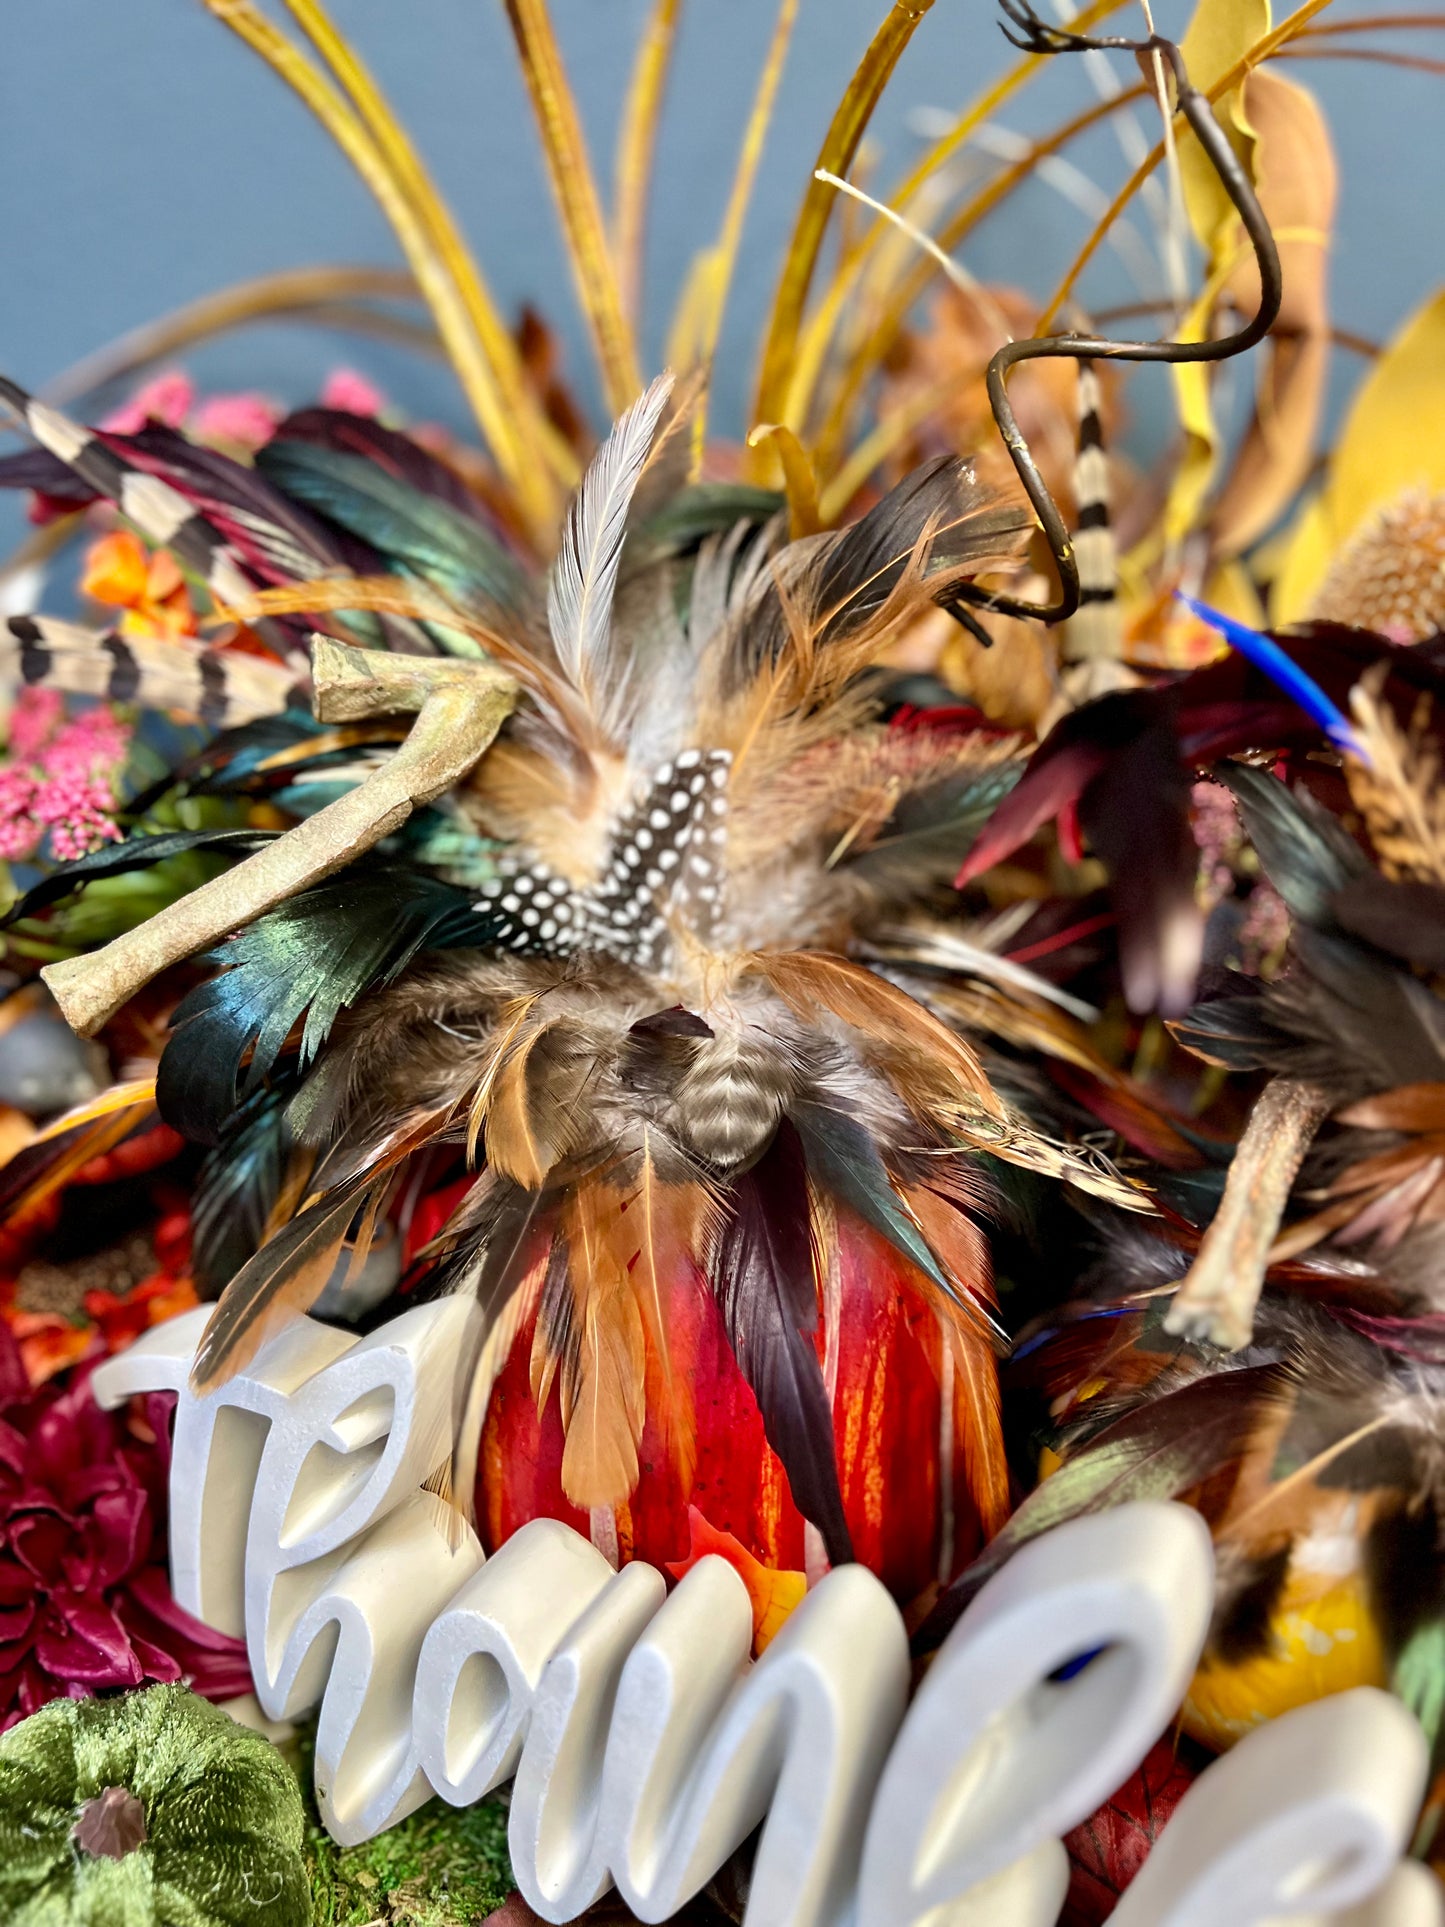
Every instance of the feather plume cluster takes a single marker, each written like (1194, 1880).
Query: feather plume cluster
(686, 1017)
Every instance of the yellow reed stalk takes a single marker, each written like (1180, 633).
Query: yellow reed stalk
(891, 431)
(575, 189)
(726, 251)
(840, 144)
(474, 367)
(292, 291)
(870, 350)
(636, 147)
(798, 477)
(400, 155)
(1266, 45)
(818, 333)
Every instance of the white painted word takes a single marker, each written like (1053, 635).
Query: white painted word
(644, 1743)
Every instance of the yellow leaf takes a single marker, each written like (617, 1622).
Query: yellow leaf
(1220, 34)
(1295, 174)
(1194, 468)
(1393, 441)
(1297, 564)
(1394, 436)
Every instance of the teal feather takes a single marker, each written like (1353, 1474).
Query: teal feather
(415, 534)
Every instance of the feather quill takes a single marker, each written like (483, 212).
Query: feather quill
(584, 576)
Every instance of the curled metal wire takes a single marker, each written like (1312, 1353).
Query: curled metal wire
(1035, 36)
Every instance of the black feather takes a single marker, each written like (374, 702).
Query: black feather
(135, 853)
(930, 832)
(416, 534)
(1404, 919)
(1307, 854)
(236, 1186)
(844, 1160)
(312, 956)
(762, 1277)
(865, 563)
(38, 469)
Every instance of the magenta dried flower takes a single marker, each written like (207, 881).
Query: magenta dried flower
(85, 1601)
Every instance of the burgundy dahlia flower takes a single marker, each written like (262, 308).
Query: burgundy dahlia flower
(85, 1599)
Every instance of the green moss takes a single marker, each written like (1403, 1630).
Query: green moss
(443, 1867)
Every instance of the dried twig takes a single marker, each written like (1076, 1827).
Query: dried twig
(459, 708)
(1217, 1297)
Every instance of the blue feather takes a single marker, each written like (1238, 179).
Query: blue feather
(1267, 655)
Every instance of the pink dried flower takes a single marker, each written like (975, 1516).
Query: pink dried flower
(167, 398)
(19, 832)
(243, 421)
(351, 392)
(77, 810)
(33, 721)
(94, 746)
(1265, 930)
(1217, 833)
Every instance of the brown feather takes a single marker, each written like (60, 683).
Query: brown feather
(51, 1159)
(512, 1144)
(961, 1248)
(608, 1406)
(935, 1069)
(673, 1227)
(512, 1022)
(280, 1283)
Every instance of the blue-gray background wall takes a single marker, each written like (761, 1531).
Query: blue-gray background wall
(146, 158)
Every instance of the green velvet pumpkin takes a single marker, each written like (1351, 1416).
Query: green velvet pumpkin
(149, 1810)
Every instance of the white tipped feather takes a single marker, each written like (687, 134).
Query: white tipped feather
(584, 576)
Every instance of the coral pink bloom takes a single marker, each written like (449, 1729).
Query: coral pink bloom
(352, 393)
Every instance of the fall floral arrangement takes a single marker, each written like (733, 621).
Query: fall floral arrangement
(896, 966)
